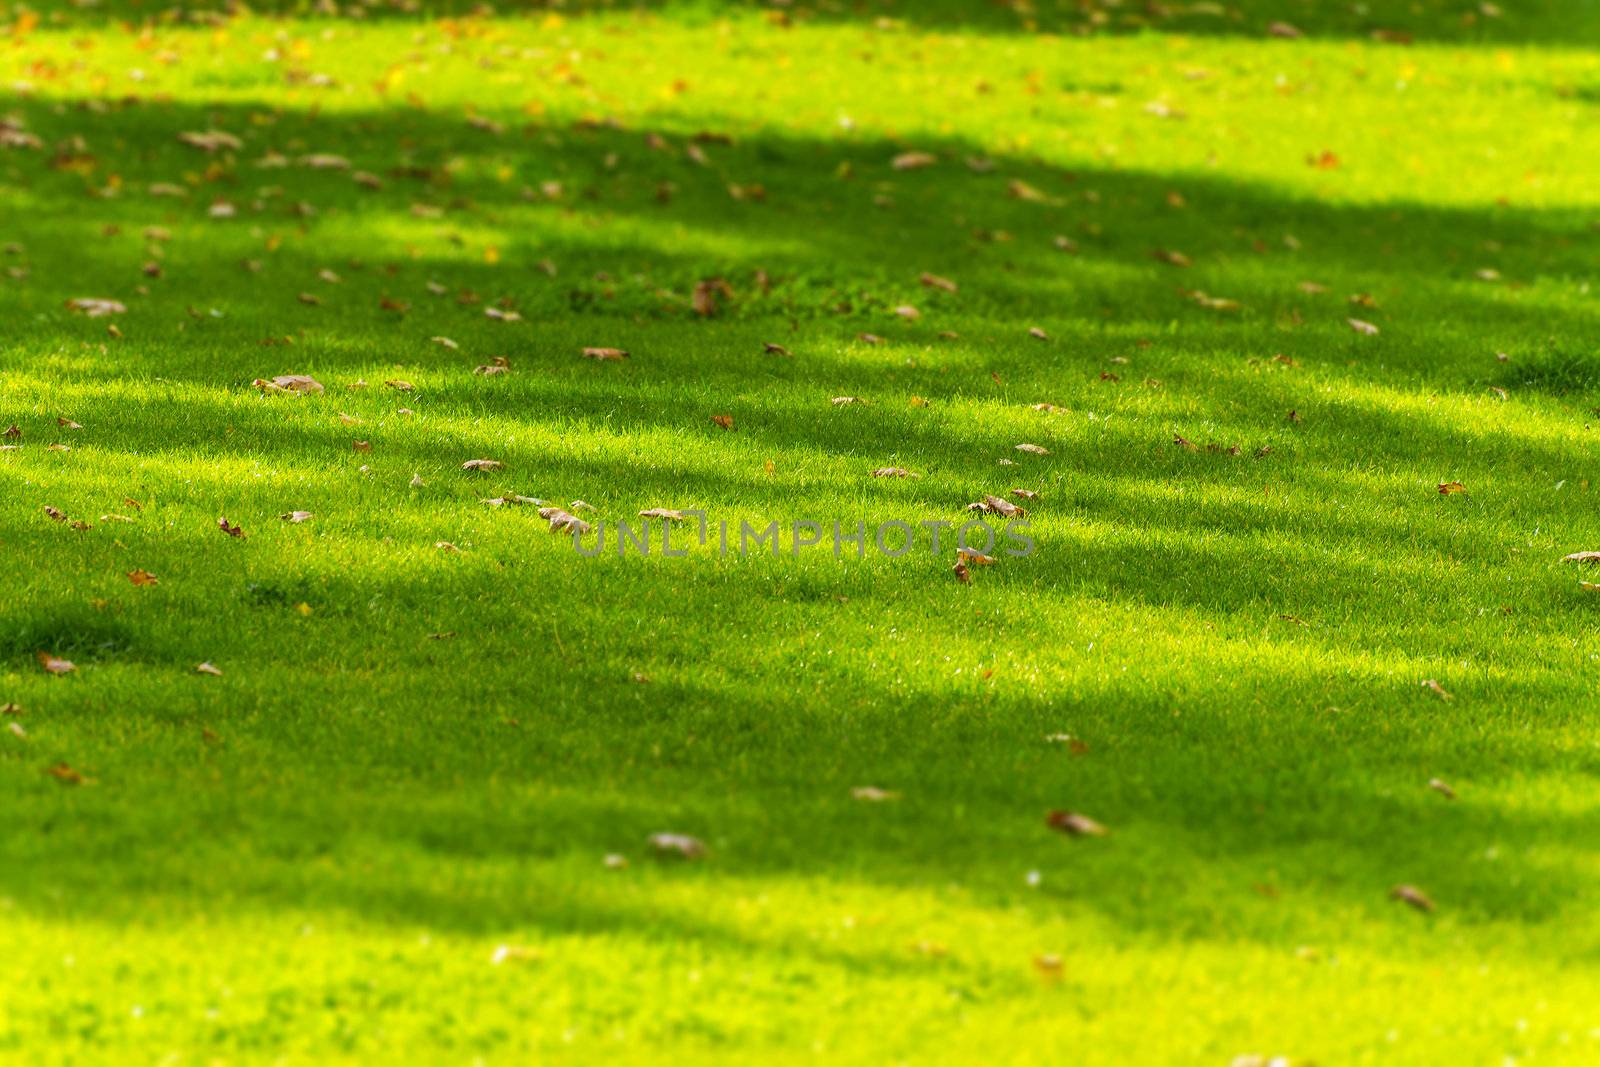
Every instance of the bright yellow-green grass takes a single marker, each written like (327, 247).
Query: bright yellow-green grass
(381, 833)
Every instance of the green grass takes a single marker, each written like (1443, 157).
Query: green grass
(315, 857)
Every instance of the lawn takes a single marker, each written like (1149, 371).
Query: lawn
(1301, 317)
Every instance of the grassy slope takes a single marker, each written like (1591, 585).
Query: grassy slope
(315, 855)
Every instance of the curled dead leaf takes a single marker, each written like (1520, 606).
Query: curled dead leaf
(605, 354)
(975, 558)
(1363, 327)
(1410, 894)
(724, 421)
(482, 465)
(963, 575)
(1433, 685)
(143, 577)
(1440, 786)
(96, 307)
(55, 664)
(295, 516)
(691, 848)
(997, 505)
(289, 383)
(892, 472)
(1074, 824)
(208, 668)
(229, 528)
(1451, 488)
(1035, 450)
(873, 794)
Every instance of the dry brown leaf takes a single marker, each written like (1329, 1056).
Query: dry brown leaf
(913, 160)
(873, 793)
(1049, 966)
(399, 385)
(841, 401)
(55, 513)
(892, 472)
(55, 664)
(775, 350)
(1451, 488)
(1037, 333)
(67, 424)
(143, 577)
(997, 505)
(96, 307)
(604, 354)
(669, 514)
(934, 281)
(1410, 894)
(869, 338)
(1025, 494)
(563, 521)
(1074, 824)
(683, 845)
(1173, 257)
(288, 383)
(1077, 746)
(361, 446)
(210, 140)
(1018, 189)
(1440, 786)
(64, 774)
(724, 421)
(1034, 450)
(229, 528)
(962, 574)
(208, 668)
(1582, 557)
(1433, 684)
(974, 558)
(482, 465)
(907, 312)
(1363, 327)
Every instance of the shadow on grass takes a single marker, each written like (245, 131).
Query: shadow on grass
(1202, 802)
(1551, 22)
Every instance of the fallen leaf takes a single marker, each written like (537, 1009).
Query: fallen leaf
(873, 793)
(229, 528)
(962, 574)
(668, 514)
(1035, 450)
(513, 954)
(295, 516)
(997, 505)
(1440, 786)
(289, 383)
(1073, 824)
(95, 308)
(1451, 488)
(975, 558)
(678, 845)
(482, 465)
(913, 160)
(208, 668)
(775, 350)
(1362, 327)
(841, 401)
(563, 521)
(724, 421)
(933, 281)
(67, 424)
(1430, 683)
(892, 472)
(1410, 894)
(399, 385)
(1049, 966)
(55, 664)
(907, 312)
(142, 577)
(604, 354)
(1025, 494)
(1582, 557)
(1037, 333)
(64, 774)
